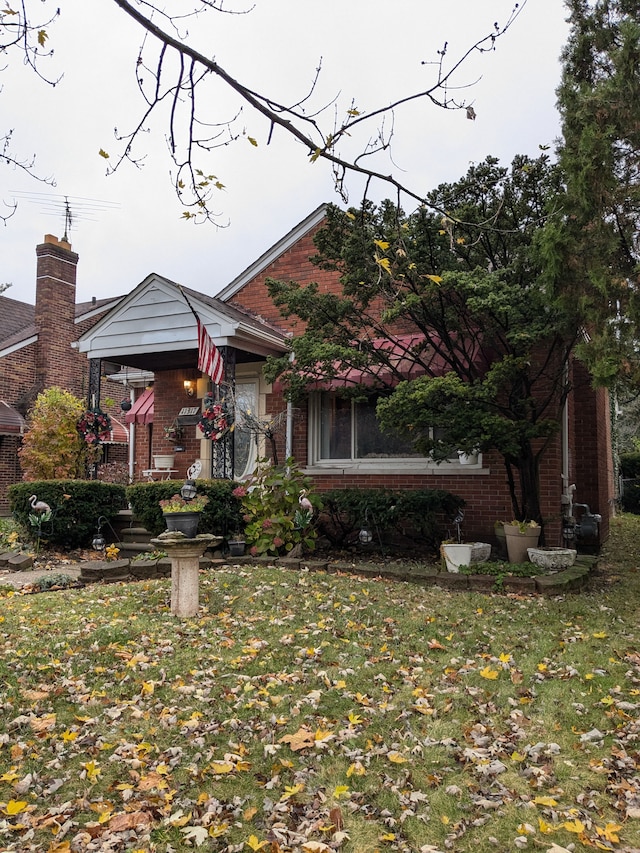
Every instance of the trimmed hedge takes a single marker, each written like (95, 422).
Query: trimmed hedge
(221, 516)
(630, 465)
(630, 470)
(76, 506)
(418, 514)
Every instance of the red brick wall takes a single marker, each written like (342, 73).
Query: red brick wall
(55, 315)
(292, 265)
(51, 360)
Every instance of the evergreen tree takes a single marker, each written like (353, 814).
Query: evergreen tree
(590, 247)
(448, 318)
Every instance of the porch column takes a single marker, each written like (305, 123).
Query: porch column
(223, 451)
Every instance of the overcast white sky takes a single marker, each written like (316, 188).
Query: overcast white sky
(371, 52)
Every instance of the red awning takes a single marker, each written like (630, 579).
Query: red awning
(408, 356)
(142, 410)
(397, 350)
(11, 421)
(119, 433)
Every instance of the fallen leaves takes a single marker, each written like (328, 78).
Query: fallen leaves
(298, 711)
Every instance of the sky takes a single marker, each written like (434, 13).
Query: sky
(370, 51)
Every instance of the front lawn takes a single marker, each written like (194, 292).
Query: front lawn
(316, 712)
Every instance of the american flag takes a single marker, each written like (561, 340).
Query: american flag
(209, 359)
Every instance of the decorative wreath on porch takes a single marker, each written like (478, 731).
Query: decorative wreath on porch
(215, 421)
(94, 426)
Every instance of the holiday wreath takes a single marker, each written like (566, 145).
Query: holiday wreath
(215, 421)
(95, 426)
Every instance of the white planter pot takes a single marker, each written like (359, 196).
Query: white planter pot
(552, 558)
(465, 554)
(164, 460)
(467, 458)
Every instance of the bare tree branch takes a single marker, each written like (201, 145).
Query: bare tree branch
(176, 85)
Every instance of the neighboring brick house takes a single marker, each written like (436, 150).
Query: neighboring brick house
(37, 352)
(153, 329)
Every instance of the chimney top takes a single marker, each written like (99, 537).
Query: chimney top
(51, 238)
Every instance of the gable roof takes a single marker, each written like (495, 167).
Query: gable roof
(283, 245)
(153, 327)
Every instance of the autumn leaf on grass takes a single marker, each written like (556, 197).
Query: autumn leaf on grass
(199, 834)
(220, 768)
(291, 791)
(489, 673)
(35, 695)
(124, 821)
(609, 832)
(44, 723)
(576, 826)
(545, 801)
(255, 844)
(92, 770)
(304, 738)
(323, 737)
(316, 847)
(396, 758)
(14, 807)
(435, 644)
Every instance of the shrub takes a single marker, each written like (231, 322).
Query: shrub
(221, 515)
(52, 447)
(270, 502)
(630, 465)
(421, 513)
(75, 505)
(630, 474)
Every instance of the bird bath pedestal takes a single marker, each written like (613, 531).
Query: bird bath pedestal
(185, 566)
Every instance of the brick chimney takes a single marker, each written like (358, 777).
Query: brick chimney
(55, 313)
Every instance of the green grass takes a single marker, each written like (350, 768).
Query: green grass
(315, 712)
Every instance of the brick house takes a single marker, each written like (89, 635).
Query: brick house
(37, 352)
(153, 329)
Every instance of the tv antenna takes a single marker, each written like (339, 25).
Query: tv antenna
(71, 209)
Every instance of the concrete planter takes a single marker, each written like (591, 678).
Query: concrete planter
(552, 558)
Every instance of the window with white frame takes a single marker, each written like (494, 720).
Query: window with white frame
(344, 432)
(343, 429)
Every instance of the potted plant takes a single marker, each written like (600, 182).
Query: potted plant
(173, 433)
(163, 460)
(520, 536)
(183, 515)
(236, 544)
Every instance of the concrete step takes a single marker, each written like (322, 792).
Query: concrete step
(132, 549)
(135, 534)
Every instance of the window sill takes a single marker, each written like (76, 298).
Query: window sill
(394, 466)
